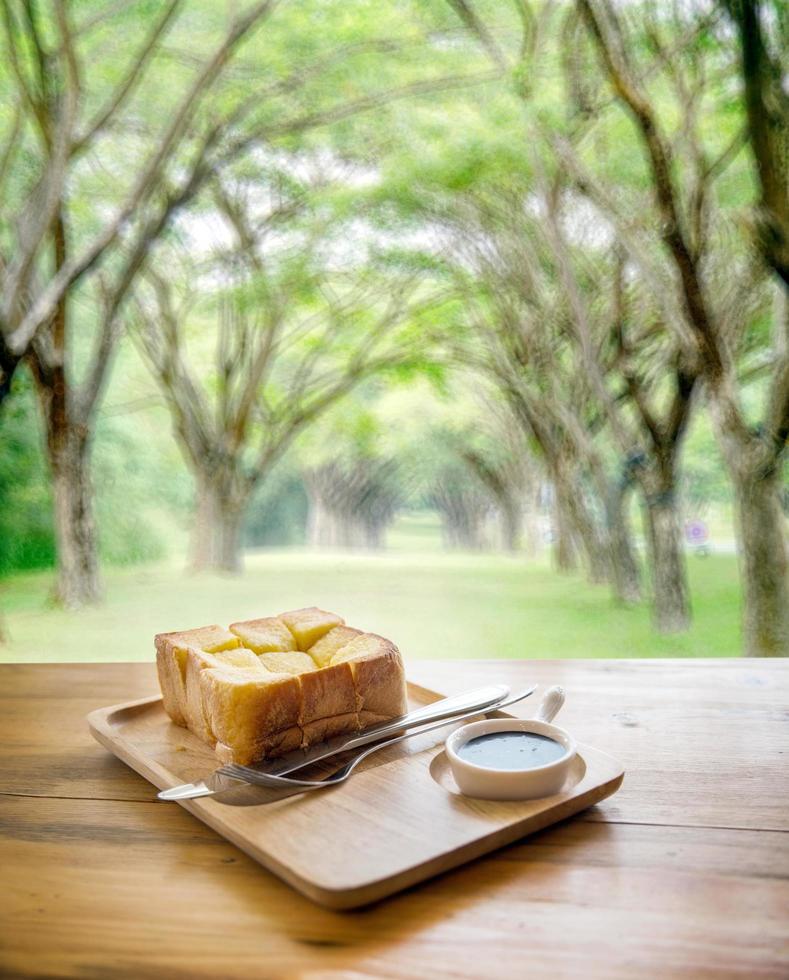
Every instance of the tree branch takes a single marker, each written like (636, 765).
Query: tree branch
(777, 415)
(10, 146)
(767, 105)
(160, 345)
(476, 26)
(132, 79)
(659, 156)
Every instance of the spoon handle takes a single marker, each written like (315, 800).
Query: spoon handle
(551, 703)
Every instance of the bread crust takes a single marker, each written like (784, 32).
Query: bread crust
(328, 691)
(324, 728)
(379, 677)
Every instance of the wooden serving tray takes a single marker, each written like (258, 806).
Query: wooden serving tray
(398, 820)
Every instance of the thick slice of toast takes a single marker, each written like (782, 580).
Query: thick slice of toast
(270, 685)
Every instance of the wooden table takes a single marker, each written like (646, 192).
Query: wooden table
(682, 873)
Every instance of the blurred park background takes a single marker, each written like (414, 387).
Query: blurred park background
(466, 320)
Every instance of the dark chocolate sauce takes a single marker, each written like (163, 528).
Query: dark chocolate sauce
(511, 750)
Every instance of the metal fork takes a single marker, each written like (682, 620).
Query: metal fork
(289, 782)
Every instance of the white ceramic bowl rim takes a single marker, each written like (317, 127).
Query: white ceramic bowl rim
(455, 741)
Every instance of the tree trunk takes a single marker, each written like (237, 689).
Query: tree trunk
(625, 577)
(67, 424)
(217, 530)
(582, 522)
(75, 529)
(348, 531)
(373, 533)
(318, 522)
(8, 365)
(462, 513)
(565, 555)
(461, 533)
(754, 463)
(670, 595)
(325, 522)
(593, 546)
(229, 540)
(532, 536)
(203, 529)
(511, 521)
(763, 561)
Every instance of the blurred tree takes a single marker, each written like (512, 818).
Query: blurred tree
(622, 385)
(132, 456)
(498, 455)
(522, 338)
(464, 504)
(292, 337)
(465, 456)
(668, 69)
(355, 482)
(647, 419)
(352, 501)
(62, 111)
(278, 511)
(753, 452)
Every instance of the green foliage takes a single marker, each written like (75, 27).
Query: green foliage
(129, 515)
(141, 496)
(26, 533)
(704, 480)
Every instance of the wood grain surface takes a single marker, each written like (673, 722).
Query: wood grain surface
(684, 872)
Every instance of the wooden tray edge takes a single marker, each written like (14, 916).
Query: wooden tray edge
(345, 899)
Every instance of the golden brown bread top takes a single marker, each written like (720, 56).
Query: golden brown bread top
(331, 643)
(297, 643)
(310, 624)
(266, 635)
(211, 639)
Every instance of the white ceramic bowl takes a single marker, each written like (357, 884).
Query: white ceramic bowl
(509, 784)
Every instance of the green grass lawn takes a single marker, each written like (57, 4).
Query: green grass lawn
(432, 603)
